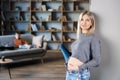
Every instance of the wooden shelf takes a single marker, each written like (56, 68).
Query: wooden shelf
(52, 18)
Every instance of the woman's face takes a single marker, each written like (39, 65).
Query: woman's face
(85, 22)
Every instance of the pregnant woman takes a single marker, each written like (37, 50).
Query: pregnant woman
(85, 50)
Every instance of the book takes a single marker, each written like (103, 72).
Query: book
(60, 8)
(13, 27)
(43, 7)
(34, 18)
(3, 16)
(65, 28)
(75, 28)
(63, 37)
(28, 28)
(77, 8)
(34, 27)
(2, 23)
(42, 27)
(21, 18)
(62, 18)
(53, 37)
(49, 18)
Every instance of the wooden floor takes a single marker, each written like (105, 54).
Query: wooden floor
(52, 69)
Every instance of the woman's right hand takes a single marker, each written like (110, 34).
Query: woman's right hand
(75, 61)
(73, 64)
(72, 67)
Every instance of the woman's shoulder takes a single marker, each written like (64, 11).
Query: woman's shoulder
(95, 37)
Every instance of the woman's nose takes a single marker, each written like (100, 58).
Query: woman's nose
(84, 22)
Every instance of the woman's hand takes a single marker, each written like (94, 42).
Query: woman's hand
(73, 64)
(72, 67)
(75, 61)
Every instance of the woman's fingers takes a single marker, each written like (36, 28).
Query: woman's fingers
(72, 67)
(75, 61)
(73, 64)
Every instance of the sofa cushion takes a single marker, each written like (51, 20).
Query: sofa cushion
(37, 40)
(6, 40)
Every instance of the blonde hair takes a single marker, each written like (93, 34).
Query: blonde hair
(92, 28)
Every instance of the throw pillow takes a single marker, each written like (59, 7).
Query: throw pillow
(37, 40)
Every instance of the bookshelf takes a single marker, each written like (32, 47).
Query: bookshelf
(55, 19)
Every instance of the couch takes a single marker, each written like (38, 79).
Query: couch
(17, 54)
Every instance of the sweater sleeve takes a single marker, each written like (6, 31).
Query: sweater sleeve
(95, 49)
(24, 41)
(15, 43)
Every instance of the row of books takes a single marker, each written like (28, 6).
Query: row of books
(33, 17)
(21, 18)
(31, 26)
(6, 28)
(34, 27)
(66, 38)
(62, 18)
(65, 28)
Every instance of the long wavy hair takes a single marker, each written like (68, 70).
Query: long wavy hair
(92, 27)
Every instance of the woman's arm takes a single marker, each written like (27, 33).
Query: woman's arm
(96, 57)
(73, 64)
(24, 41)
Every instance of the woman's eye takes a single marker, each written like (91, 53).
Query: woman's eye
(87, 20)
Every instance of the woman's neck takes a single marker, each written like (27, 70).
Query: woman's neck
(84, 31)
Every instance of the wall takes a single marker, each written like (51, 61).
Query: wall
(107, 14)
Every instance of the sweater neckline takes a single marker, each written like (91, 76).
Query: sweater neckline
(86, 35)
